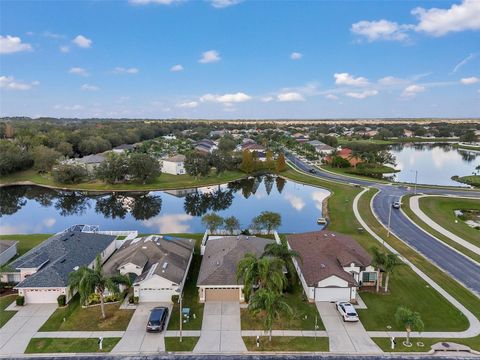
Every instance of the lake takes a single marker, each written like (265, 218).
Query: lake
(435, 163)
(33, 209)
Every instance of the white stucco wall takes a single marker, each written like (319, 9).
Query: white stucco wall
(174, 168)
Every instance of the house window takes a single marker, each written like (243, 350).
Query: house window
(369, 276)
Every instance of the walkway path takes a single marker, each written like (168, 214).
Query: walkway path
(221, 331)
(19, 330)
(345, 337)
(415, 206)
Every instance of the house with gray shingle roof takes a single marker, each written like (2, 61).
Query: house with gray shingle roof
(8, 249)
(43, 271)
(158, 265)
(217, 279)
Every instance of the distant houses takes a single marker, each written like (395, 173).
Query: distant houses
(174, 165)
(205, 146)
(120, 149)
(321, 148)
(346, 154)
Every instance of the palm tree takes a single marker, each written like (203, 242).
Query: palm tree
(281, 251)
(88, 281)
(261, 273)
(391, 262)
(410, 320)
(378, 261)
(273, 304)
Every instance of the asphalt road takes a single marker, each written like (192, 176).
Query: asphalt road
(458, 266)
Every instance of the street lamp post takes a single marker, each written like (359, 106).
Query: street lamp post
(389, 218)
(180, 301)
(416, 177)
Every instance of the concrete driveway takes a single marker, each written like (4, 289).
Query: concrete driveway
(17, 332)
(136, 339)
(345, 337)
(221, 331)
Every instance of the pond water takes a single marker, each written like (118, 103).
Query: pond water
(435, 163)
(32, 209)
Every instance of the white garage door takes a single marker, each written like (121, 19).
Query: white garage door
(155, 295)
(332, 294)
(47, 296)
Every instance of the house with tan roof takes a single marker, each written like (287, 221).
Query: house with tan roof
(158, 265)
(332, 267)
(217, 279)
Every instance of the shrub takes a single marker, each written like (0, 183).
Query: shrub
(20, 300)
(62, 300)
(69, 173)
(130, 299)
(135, 300)
(175, 299)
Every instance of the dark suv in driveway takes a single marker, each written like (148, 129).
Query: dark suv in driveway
(157, 319)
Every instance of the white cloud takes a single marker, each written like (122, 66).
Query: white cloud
(188, 105)
(347, 79)
(390, 81)
(64, 49)
(78, 71)
(362, 94)
(290, 97)
(220, 4)
(68, 107)
(296, 56)
(463, 62)
(381, 30)
(412, 90)
(176, 68)
(159, 2)
(296, 202)
(267, 99)
(82, 41)
(459, 17)
(470, 80)
(12, 44)
(210, 56)
(88, 87)
(122, 70)
(173, 223)
(9, 83)
(331, 97)
(226, 98)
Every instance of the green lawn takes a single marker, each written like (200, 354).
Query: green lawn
(75, 318)
(385, 345)
(163, 182)
(350, 172)
(408, 211)
(6, 315)
(26, 241)
(286, 343)
(174, 344)
(69, 345)
(473, 180)
(190, 292)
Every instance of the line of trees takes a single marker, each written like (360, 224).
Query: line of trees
(267, 220)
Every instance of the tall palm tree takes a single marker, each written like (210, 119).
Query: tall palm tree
(410, 320)
(273, 304)
(261, 273)
(88, 281)
(281, 251)
(378, 261)
(391, 262)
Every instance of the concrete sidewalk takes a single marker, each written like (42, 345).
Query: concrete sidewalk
(415, 206)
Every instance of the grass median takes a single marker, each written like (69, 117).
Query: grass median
(286, 343)
(173, 343)
(69, 345)
(420, 344)
(5, 301)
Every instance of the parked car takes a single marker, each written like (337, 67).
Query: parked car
(347, 311)
(157, 319)
(312, 171)
(396, 204)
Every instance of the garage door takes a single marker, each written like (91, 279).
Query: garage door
(332, 294)
(48, 296)
(155, 295)
(222, 294)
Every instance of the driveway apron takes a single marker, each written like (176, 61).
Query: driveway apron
(221, 331)
(18, 331)
(345, 337)
(136, 339)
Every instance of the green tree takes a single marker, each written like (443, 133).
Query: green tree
(268, 220)
(113, 169)
(212, 222)
(65, 148)
(261, 273)
(65, 173)
(87, 281)
(13, 158)
(378, 261)
(410, 320)
(272, 305)
(281, 251)
(44, 158)
(196, 165)
(248, 163)
(391, 262)
(231, 224)
(469, 136)
(269, 161)
(143, 168)
(227, 144)
(281, 164)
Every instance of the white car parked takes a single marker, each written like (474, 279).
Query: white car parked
(347, 311)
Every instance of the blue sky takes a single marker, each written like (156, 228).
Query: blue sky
(227, 59)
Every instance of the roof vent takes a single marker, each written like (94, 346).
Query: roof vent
(76, 268)
(218, 263)
(164, 266)
(144, 247)
(323, 266)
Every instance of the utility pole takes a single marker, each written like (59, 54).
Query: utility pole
(389, 218)
(180, 299)
(416, 176)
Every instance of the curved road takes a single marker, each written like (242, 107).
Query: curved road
(458, 266)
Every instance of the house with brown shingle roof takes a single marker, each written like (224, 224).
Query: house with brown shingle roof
(332, 267)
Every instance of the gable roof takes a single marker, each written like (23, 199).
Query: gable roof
(91, 159)
(151, 253)
(179, 158)
(57, 257)
(325, 253)
(219, 262)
